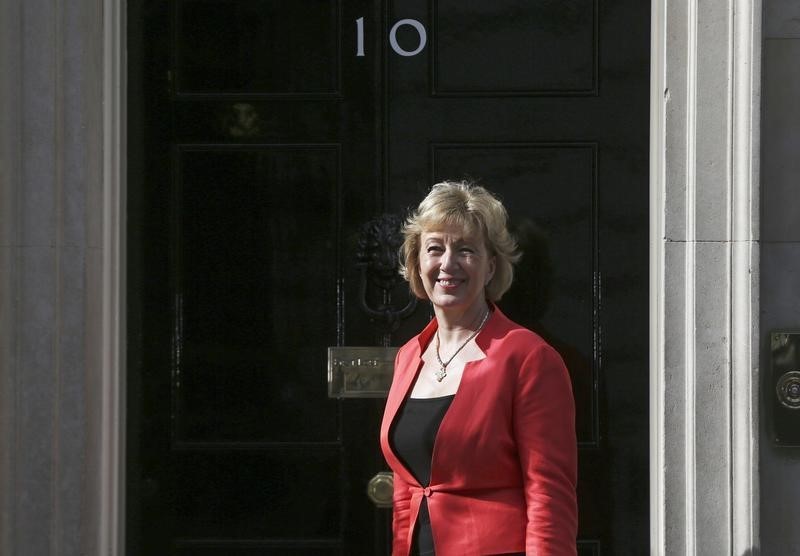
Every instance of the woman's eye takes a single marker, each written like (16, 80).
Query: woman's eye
(434, 249)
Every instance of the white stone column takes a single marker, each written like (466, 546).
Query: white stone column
(704, 276)
(60, 273)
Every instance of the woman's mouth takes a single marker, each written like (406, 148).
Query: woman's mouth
(448, 282)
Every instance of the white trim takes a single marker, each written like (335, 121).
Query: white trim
(111, 540)
(690, 280)
(746, 108)
(658, 97)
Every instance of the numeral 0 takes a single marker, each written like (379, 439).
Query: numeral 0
(419, 27)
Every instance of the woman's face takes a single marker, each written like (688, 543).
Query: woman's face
(455, 268)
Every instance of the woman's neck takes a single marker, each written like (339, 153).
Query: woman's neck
(455, 326)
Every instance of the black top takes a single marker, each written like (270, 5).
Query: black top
(413, 435)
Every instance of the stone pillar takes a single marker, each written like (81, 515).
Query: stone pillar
(56, 277)
(704, 276)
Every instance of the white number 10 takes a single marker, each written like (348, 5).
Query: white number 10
(419, 27)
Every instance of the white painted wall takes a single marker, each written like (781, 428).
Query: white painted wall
(780, 255)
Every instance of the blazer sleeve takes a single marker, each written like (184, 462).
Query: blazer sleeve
(401, 515)
(544, 430)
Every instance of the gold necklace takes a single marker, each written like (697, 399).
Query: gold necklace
(442, 372)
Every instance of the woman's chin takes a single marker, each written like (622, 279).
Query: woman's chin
(452, 301)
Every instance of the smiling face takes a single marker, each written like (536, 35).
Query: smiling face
(455, 268)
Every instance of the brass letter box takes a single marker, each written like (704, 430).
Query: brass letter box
(360, 372)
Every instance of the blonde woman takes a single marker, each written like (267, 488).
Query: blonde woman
(479, 425)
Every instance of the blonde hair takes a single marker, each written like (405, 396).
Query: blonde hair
(477, 212)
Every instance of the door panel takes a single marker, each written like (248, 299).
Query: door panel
(260, 143)
(267, 486)
(513, 48)
(241, 238)
(256, 264)
(224, 47)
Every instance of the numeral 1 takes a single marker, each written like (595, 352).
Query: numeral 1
(360, 36)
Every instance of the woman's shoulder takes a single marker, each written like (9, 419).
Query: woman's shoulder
(510, 335)
(516, 343)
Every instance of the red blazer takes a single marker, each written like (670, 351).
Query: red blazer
(504, 465)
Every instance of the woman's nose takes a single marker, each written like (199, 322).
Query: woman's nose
(448, 260)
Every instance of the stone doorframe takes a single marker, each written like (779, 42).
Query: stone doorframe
(67, 87)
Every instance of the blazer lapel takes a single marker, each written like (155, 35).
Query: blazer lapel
(410, 363)
(467, 390)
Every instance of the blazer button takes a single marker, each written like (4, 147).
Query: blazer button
(427, 492)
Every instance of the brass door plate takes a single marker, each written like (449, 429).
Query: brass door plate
(360, 372)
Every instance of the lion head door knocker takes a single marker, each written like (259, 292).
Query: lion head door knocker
(377, 260)
(366, 371)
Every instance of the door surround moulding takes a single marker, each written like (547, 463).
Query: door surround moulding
(704, 252)
(678, 313)
(109, 421)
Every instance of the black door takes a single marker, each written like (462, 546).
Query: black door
(262, 136)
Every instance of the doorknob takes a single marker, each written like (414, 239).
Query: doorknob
(381, 488)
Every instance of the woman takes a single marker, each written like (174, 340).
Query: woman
(479, 425)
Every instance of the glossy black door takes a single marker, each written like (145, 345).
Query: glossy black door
(260, 142)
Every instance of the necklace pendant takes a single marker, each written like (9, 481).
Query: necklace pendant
(440, 374)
